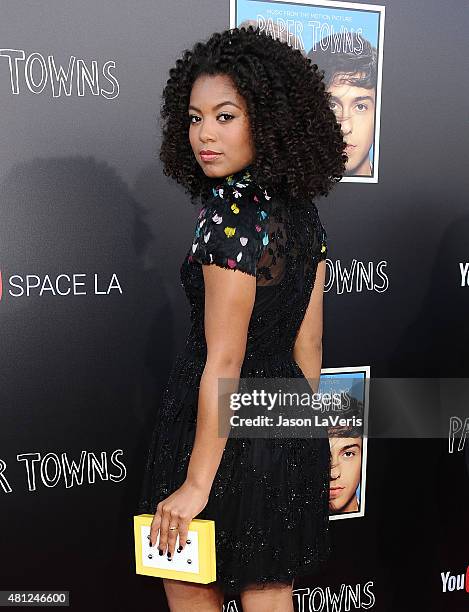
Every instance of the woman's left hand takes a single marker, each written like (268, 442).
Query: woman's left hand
(177, 510)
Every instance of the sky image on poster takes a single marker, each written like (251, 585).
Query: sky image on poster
(345, 40)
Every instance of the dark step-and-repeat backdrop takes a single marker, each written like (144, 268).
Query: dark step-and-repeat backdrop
(92, 312)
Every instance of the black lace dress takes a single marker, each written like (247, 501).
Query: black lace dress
(270, 497)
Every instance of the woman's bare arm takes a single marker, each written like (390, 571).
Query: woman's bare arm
(229, 301)
(308, 345)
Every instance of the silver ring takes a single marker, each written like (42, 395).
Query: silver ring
(171, 528)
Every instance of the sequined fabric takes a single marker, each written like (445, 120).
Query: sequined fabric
(270, 497)
(231, 229)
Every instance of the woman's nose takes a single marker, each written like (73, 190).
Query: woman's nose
(207, 132)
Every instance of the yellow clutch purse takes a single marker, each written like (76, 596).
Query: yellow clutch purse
(195, 563)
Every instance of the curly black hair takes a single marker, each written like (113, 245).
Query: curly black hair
(299, 146)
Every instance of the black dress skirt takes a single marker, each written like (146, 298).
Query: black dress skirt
(270, 497)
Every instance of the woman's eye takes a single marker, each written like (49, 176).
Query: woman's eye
(191, 117)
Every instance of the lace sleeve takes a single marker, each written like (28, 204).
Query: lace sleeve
(231, 231)
(323, 251)
(322, 235)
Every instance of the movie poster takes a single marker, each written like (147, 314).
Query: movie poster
(345, 40)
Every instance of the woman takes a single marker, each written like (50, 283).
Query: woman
(248, 128)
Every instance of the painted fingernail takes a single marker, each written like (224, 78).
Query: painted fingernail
(169, 555)
(161, 552)
(180, 548)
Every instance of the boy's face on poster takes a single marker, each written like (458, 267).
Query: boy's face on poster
(346, 460)
(354, 108)
(219, 122)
